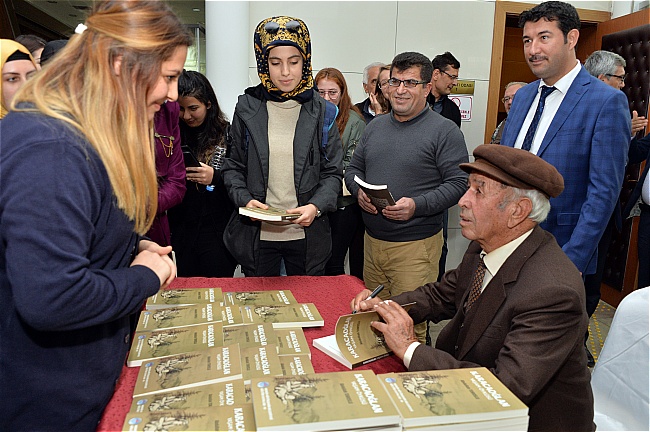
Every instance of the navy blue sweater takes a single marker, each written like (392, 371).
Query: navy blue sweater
(66, 291)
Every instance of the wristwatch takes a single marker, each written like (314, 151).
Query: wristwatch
(318, 212)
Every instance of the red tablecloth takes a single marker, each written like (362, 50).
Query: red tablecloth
(330, 294)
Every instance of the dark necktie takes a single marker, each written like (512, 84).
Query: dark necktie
(528, 140)
(477, 283)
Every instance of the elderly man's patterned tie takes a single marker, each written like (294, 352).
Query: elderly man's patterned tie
(528, 140)
(477, 283)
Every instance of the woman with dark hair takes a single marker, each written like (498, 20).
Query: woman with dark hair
(346, 223)
(34, 44)
(79, 190)
(198, 223)
(286, 154)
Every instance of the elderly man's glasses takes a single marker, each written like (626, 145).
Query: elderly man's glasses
(331, 93)
(453, 77)
(409, 83)
(273, 27)
(507, 99)
(621, 77)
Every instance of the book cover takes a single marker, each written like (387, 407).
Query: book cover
(223, 418)
(447, 396)
(233, 316)
(248, 335)
(178, 317)
(271, 214)
(292, 341)
(296, 364)
(183, 297)
(259, 362)
(271, 297)
(165, 342)
(189, 370)
(378, 194)
(319, 402)
(218, 394)
(293, 315)
(355, 342)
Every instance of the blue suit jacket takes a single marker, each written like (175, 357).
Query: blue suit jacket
(587, 142)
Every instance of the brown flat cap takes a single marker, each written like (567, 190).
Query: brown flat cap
(516, 167)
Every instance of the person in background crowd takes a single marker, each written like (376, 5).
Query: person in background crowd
(170, 170)
(370, 78)
(17, 67)
(508, 98)
(51, 48)
(78, 192)
(198, 223)
(445, 76)
(577, 124)
(380, 100)
(34, 44)
(287, 154)
(515, 302)
(346, 223)
(609, 67)
(416, 152)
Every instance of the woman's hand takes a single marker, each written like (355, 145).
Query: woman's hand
(156, 258)
(201, 175)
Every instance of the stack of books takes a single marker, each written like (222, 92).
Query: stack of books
(199, 349)
(454, 400)
(332, 401)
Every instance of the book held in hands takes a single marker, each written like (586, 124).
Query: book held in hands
(271, 214)
(378, 194)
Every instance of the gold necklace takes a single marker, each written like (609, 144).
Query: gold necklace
(168, 148)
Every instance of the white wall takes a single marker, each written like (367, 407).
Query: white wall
(348, 35)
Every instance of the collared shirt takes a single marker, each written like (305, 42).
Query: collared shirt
(493, 262)
(553, 102)
(645, 191)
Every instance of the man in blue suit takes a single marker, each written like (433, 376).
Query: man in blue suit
(577, 123)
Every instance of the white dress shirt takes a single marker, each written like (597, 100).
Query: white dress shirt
(553, 102)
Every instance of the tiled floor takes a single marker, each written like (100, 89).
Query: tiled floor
(599, 325)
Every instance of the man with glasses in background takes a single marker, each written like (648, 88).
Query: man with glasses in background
(443, 79)
(416, 153)
(370, 76)
(508, 98)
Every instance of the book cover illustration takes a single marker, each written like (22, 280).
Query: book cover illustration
(438, 397)
(292, 341)
(165, 342)
(355, 342)
(178, 317)
(218, 394)
(183, 297)
(271, 297)
(318, 402)
(271, 214)
(298, 364)
(248, 335)
(293, 315)
(231, 315)
(260, 361)
(378, 194)
(223, 418)
(189, 370)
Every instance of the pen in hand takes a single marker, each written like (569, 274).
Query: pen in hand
(373, 294)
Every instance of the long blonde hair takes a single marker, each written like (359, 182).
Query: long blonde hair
(81, 87)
